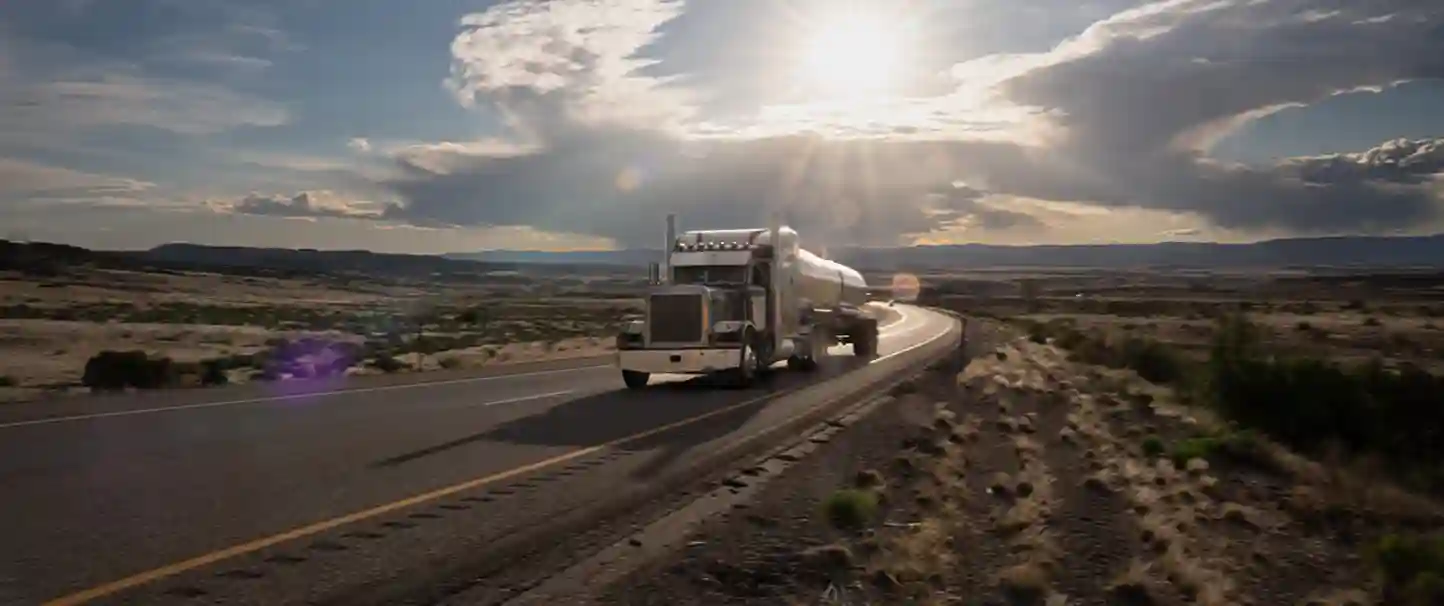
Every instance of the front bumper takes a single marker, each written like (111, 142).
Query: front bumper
(678, 361)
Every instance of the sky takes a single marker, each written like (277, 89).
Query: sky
(461, 125)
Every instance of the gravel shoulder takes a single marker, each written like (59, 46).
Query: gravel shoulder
(1031, 479)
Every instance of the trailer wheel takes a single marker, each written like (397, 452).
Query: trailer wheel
(635, 379)
(864, 339)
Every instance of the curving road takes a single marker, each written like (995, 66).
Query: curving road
(250, 496)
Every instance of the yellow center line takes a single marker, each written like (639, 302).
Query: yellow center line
(169, 570)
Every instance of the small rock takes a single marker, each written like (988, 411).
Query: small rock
(1097, 484)
(1024, 489)
(1237, 514)
(1132, 593)
(1197, 466)
(999, 486)
(634, 542)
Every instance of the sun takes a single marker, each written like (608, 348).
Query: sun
(851, 56)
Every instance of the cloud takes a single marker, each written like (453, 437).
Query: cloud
(53, 89)
(1400, 161)
(304, 205)
(25, 179)
(1138, 99)
(541, 63)
(1119, 116)
(101, 97)
(359, 145)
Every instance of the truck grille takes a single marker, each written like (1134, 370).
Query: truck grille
(675, 319)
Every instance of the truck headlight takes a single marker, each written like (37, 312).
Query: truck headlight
(726, 326)
(633, 327)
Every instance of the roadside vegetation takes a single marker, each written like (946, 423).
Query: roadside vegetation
(1313, 405)
(111, 329)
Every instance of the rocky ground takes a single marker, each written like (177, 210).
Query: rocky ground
(1030, 479)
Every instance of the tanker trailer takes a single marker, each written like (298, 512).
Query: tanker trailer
(737, 301)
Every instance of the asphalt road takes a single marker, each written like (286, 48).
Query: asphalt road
(189, 497)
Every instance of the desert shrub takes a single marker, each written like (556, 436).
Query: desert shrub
(451, 362)
(1192, 448)
(388, 363)
(8, 381)
(1152, 446)
(1226, 447)
(1310, 403)
(1304, 326)
(213, 372)
(1152, 360)
(1410, 567)
(116, 370)
(850, 509)
(1372, 321)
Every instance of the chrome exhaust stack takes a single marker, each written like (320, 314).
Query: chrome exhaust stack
(666, 265)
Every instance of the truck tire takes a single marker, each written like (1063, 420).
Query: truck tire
(635, 379)
(746, 371)
(864, 340)
(806, 361)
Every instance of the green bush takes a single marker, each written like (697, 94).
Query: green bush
(1152, 360)
(117, 370)
(1309, 403)
(850, 509)
(1192, 448)
(213, 372)
(1411, 568)
(1152, 446)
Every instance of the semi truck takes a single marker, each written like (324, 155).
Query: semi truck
(737, 301)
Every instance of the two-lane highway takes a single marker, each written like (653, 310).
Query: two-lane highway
(130, 493)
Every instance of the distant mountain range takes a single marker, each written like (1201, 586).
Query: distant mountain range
(1339, 252)
(627, 257)
(1343, 251)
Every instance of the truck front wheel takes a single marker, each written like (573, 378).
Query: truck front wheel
(635, 379)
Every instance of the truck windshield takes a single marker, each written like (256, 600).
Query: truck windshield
(710, 274)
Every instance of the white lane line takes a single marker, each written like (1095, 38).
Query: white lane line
(299, 396)
(540, 396)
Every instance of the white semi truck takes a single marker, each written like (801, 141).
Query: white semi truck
(737, 301)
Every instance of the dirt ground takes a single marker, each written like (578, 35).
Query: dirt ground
(1031, 479)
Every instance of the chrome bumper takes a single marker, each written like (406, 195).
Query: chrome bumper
(678, 361)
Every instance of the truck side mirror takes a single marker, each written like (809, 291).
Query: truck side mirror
(654, 273)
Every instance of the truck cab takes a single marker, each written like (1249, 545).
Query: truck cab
(736, 302)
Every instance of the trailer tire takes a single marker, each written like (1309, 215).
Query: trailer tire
(864, 339)
(635, 379)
